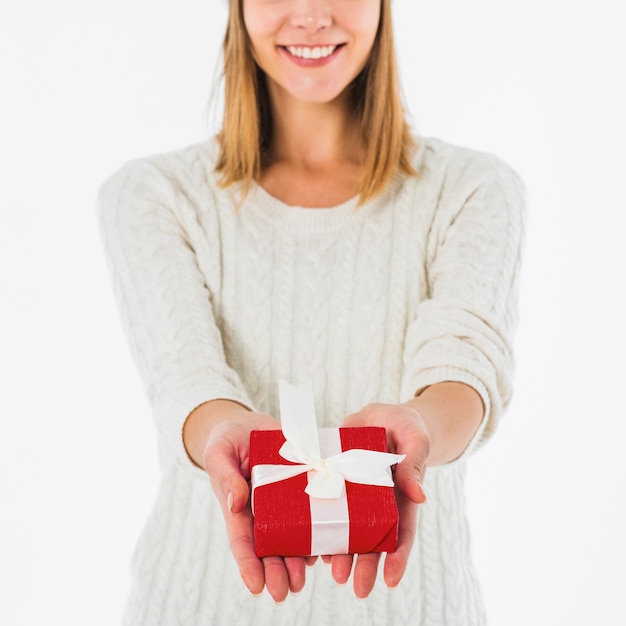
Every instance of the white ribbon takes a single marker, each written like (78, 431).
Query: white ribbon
(327, 475)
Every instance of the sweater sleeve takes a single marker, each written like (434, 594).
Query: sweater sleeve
(163, 299)
(463, 330)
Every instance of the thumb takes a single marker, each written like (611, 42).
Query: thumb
(230, 486)
(409, 480)
(410, 473)
(237, 492)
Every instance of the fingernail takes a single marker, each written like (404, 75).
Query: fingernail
(229, 501)
(258, 595)
(295, 593)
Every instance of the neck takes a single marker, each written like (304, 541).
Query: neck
(312, 135)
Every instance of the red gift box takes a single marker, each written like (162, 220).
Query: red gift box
(284, 524)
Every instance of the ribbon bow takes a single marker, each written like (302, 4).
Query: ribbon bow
(302, 446)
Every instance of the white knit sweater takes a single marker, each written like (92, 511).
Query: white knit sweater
(221, 299)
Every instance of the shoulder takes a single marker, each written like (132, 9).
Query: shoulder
(461, 170)
(450, 179)
(188, 172)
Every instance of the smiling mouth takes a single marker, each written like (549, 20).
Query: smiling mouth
(311, 52)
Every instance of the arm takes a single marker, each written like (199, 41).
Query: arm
(458, 355)
(163, 298)
(463, 330)
(201, 409)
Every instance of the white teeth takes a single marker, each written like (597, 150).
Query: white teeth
(318, 52)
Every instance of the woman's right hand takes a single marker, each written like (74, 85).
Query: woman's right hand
(225, 457)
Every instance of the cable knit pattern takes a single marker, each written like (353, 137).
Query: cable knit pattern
(221, 298)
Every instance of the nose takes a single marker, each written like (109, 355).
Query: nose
(312, 15)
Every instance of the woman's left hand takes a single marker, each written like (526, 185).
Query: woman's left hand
(406, 434)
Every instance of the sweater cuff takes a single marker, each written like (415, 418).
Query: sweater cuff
(173, 412)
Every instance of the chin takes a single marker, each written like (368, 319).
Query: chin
(317, 94)
(318, 99)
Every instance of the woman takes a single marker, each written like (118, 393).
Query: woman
(315, 238)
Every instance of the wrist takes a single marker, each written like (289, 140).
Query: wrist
(201, 421)
(451, 413)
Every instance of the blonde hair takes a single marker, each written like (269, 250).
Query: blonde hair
(376, 102)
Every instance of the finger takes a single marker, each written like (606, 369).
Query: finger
(297, 573)
(240, 535)
(276, 577)
(327, 558)
(231, 489)
(365, 572)
(396, 562)
(310, 561)
(341, 566)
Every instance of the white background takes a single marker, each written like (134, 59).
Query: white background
(86, 86)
